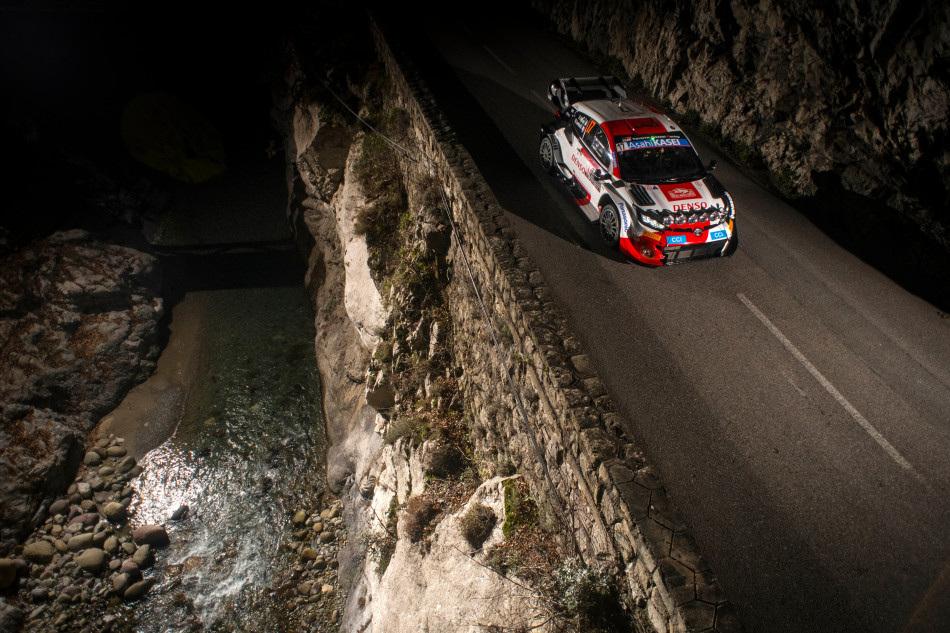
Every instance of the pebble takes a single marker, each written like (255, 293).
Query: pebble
(111, 545)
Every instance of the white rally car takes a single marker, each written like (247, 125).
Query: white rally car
(633, 171)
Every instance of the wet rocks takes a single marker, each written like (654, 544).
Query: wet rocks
(154, 535)
(91, 560)
(79, 319)
(84, 553)
(115, 512)
(313, 594)
(7, 572)
(39, 552)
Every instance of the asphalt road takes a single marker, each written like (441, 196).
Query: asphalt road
(795, 401)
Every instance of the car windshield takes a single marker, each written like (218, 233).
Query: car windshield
(653, 165)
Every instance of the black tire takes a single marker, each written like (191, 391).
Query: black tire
(733, 245)
(609, 223)
(546, 154)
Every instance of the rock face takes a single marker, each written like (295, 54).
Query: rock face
(78, 328)
(853, 90)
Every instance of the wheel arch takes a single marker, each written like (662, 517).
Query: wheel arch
(606, 198)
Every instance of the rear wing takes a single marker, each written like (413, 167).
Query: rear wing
(567, 91)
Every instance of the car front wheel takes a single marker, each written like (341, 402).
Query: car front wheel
(546, 153)
(610, 225)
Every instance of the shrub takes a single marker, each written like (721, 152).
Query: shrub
(419, 514)
(413, 427)
(477, 524)
(588, 598)
(520, 509)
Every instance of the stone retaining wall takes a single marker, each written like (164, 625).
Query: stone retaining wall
(583, 469)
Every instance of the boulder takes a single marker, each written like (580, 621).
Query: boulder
(115, 512)
(86, 519)
(121, 582)
(10, 616)
(111, 545)
(60, 506)
(80, 542)
(131, 568)
(93, 309)
(92, 459)
(154, 535)
(7, 572)
(91, 560)
(40, 552)
(127, 465)
(180, 513)
(139, 589)
(143, 556)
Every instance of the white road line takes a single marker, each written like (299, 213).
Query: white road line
(860, 419)
(499, 60)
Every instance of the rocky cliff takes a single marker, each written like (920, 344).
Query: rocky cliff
(486, 477)
(826, 94)
(78, 328)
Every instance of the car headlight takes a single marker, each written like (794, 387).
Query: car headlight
(667, 219)
(704, 217)
(680, 219)
(649, 220)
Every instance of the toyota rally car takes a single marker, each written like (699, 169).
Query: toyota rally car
(632, 170)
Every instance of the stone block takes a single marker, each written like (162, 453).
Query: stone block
(697, 616)
(727, 621)
(619, 473)
(656, 538)
(637, 500)
(658, 614)
(685, 551)
(648, 479)
(594, 387)
(643, 574)
(600, 445)
(663, 512)
(708, 589)
(676, 579)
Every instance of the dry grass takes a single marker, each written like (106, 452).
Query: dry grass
(417, 519)
(477, 524)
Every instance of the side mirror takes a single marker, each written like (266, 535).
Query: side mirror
(712, 165)
(600, 174)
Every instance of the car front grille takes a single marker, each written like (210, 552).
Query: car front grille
(677, 254)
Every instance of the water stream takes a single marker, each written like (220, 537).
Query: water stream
(247, 453)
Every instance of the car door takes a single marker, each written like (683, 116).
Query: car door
(589, 151)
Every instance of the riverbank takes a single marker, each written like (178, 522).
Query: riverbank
(150, 412)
